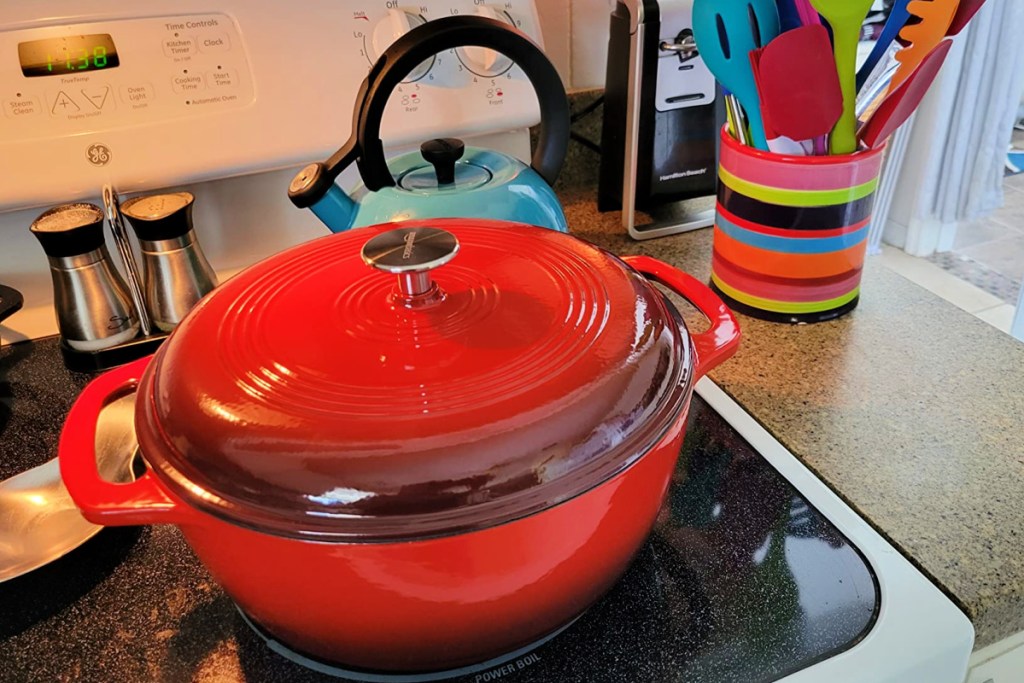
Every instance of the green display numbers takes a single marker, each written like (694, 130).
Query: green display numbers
(67, 54)
(81, 60)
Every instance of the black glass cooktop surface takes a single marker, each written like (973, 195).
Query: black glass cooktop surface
(741, 581)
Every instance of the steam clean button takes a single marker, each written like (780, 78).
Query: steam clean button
(21, 106)
(214, 42)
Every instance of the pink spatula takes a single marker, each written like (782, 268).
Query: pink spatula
(898, 105)
(799, 86)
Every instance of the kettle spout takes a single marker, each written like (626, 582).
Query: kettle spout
(315, 189)
(336, 210)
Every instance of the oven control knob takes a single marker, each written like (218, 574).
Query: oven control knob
(484, 62)
(389, 29)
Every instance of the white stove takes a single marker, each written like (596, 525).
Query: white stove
(225, 98)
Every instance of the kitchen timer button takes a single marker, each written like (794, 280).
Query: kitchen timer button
(178, 47)
(216, 42)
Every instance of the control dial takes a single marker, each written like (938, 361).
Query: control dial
(389, 29)
(481, 61)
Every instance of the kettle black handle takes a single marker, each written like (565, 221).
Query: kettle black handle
(427, 40)
(398, 61)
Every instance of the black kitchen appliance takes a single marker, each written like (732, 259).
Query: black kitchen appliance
(662, 114)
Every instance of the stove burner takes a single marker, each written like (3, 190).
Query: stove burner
(338, 671)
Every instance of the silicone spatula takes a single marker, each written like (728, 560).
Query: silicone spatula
(898, 17)
(936, 17)
(845, 17)
(726, 32)
(902, 102)
(964, 13)
(798, 84)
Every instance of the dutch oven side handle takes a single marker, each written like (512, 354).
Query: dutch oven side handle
(102, 502)
(717, 343)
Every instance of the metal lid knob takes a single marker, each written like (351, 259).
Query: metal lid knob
(411, 253)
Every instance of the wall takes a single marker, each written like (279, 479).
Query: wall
(576, 39)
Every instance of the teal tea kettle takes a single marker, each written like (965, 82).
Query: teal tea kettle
(446, 179)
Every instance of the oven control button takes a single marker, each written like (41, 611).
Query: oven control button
(63, 104)
(98, 96)
(188, 83)
(21, 106)
(179, 46)
(138, 96)
(221, 79)
(214, 42)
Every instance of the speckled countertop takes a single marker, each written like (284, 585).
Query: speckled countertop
(909, 408)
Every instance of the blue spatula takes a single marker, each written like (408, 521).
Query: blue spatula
(898, 18)
(726, 32)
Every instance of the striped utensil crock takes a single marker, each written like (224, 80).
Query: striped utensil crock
(791, 232)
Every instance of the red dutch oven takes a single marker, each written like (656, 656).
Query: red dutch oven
(398, 463)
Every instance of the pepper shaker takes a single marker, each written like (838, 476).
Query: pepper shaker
(93, 308)
(176, 274)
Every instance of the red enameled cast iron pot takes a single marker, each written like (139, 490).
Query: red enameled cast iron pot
(420, 473)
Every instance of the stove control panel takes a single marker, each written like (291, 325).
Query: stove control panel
(96, 76)
(195, 90)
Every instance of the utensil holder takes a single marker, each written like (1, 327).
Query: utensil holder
(791, 232)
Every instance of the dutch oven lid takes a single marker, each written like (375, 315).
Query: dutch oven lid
(413, 382)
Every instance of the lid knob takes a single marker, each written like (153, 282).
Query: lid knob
(411, 253)
(442, 153)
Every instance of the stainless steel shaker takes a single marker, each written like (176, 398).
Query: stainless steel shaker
(94, 310)
(176, 274)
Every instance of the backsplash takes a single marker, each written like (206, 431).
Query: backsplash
(576, 39)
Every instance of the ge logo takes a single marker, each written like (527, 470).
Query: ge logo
(98, 155)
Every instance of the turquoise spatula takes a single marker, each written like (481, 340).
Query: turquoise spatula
(846, 18)
(727, 31)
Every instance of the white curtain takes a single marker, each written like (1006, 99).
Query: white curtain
(946, 167)
(988, 97)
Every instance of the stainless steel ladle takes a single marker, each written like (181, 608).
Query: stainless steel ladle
(39, 522)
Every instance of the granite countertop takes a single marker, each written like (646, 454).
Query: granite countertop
(909, 408)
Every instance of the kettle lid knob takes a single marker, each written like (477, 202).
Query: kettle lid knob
(442, 153)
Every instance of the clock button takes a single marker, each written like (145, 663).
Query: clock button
(218, 42)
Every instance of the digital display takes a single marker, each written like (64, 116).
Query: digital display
(67, 55)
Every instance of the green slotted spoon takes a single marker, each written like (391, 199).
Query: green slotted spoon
(846, 18)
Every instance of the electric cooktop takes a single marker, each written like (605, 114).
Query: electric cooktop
(744, 579)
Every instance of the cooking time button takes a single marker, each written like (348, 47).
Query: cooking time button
(21, 106)
(187, 83)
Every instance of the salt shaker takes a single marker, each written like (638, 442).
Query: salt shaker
(94, 311)
(176, 274)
